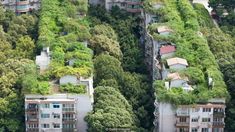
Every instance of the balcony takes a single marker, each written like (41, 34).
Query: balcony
(31, 110)
(32, 120)
(182, 124)
(69, 129)
(218, 114)
(32, 129)
(132, 2)
(134, 10)
(182, 114)
(26, 2)
(218, 124)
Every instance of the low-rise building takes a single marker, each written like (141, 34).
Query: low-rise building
(43, 60)
(164, 30)
(167, 51)
(177, 63)
(21, 6)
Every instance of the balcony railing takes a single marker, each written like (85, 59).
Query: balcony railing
(69, 119)
(69, 129)
(32, 110)
(32, 120)
(218, 124)
(182, 124)
(22, 2)
(134, 10)
(218, 114)
(32, 129)
(182, 114)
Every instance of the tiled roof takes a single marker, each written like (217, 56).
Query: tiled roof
(176, 76)
(176, 60)
(167, 49)
(161, 29)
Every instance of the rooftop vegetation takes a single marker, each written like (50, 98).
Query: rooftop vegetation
(181, 17)
(64, 28)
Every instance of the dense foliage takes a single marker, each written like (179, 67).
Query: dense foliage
(64, 28)
(111, 110)
(114, 70)
(180, 16)
(225, 14)
(222, 45)
(17, 37)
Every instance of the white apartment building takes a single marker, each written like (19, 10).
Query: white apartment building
(208, 117)
(133, 6)
(21, 6)
(56, 113)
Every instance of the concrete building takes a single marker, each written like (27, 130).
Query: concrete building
(21, 6)
(43, 60)
(177, 63)
(132, 6)
(52, 113)
(88, 82)
(56, 113)
(201, 117)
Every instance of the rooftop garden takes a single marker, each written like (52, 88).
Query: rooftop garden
(64, 28)
(181, 18)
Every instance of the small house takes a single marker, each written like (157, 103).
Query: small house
(43, 60)
(177, 63)
(164, 30)
(167, 51)
(178, 81)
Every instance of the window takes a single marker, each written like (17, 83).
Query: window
(182, 119)
(32, 125)
(68, 126)
(45, 105)
(206, 119)
(45, 115)
(45, 125)
(194, 119)
(195, 109)
(216, 130)
(194, 129)
(218, 110)
(205, 129)
(206, 110)
(184, 129)
(68, 107)
(56, 106)
(56, 125)
(217, 119)
(57, 116)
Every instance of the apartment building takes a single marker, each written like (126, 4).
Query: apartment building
(56, 113)
(204, 117)
(21, 6)
(52, 113)
(132, 6)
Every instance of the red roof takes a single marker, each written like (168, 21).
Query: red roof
(167, 49)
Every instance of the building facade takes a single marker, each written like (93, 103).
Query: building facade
(52, 113)
(21, 6)
(132, 6)
(207, 117)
